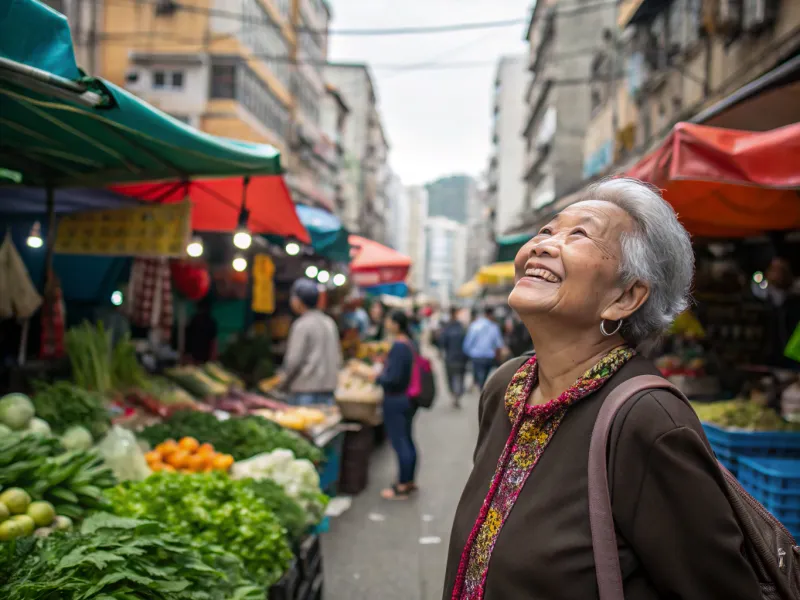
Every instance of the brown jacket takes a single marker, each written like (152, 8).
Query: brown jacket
(677, 535)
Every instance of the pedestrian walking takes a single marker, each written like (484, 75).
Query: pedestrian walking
(482, 345)
(451, 344)
(605, 276)
(398, 409)
(313, 356)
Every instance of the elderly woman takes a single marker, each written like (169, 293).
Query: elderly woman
(604, 277)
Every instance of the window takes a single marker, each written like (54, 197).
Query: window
(132, 77)
(159, 79)
(264, 38)
(223, 81)
(177, 80)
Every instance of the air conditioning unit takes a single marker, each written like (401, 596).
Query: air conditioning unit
(759, 14)
(729, 16)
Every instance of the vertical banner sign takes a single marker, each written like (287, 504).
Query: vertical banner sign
(155, 231)
(263, 285)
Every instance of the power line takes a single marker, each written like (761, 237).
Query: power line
(396, 31)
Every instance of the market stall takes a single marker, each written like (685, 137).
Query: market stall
(735, 191)
(177, 480)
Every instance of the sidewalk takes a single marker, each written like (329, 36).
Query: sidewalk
(381, 550)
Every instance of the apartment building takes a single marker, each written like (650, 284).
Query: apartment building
(445, 259)
(505, 191)
(727, 64)
(333, 122)
(366, 150)
(417, 205)
(562, 37)
(246, 69)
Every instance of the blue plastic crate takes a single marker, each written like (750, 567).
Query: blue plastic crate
(775, 483)
(730, 445)
(329, 474)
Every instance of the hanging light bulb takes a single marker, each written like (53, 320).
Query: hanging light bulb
(239, 263)
(292, 248)
(116, 298)
(323, 276)
(311, 271)
(339, 279)
(242, 239)
(195, 248)
(35, 237)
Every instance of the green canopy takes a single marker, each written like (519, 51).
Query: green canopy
(509, 245)
(60, 128)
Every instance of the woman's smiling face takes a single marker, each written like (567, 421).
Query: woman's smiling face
(570, 269)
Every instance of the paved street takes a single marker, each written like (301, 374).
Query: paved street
(381, 550)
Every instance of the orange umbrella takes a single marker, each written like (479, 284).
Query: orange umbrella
(728, 183)
(217, 203)
(375, 264)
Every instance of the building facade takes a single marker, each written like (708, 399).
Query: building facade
(417, 204)
(563, 38)
(451, 197)
(366, 151)
(445, 258)
(679, 60)
(505, 191)
(397, 214)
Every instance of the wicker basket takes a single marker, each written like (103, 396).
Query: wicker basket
(361, 406)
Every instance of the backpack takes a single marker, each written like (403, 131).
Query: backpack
(769, 547)
(422, 387)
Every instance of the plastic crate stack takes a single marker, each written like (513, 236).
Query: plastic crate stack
(767, 464)
(304, 579)
(775, 482)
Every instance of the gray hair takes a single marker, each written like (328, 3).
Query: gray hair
(658, 252)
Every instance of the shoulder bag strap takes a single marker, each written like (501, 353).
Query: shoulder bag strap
(601, 518)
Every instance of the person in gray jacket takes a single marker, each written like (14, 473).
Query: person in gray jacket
(313, 354)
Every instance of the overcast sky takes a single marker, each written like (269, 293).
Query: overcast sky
(438, 121)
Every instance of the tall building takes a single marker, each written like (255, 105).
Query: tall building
(505, 193)
(333, 121)
(417, 202)
(481, 232)
(366, 150)
(562, 42)
(445, 257)
(451, 197)
(397, 214)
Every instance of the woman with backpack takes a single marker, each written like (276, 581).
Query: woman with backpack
(589, 481)
(398, 408)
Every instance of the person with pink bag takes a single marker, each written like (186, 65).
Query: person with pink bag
(398, 408)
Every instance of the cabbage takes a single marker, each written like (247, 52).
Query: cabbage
(39, 427)
(77, 438)
(5, 430)
(16, 411)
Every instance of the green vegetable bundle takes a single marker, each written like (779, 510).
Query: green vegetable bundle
(89, 351)
(291, 515)
(72, 481)
(241, 437)
(63, 404)
(213, 509)
(743, 414)
(250, 356)
(120, 558)
(126, 372)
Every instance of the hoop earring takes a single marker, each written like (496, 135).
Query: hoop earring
(610, 333)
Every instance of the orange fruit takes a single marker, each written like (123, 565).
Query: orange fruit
(196, 463)
(178, 459)
(157, 466)
(205, 449)
(223, 462)
(189, 444)
(166, 448)
(152, 457)
(168, 469)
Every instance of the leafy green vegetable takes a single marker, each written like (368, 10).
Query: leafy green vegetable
(291, 515)
(126, 372)
(89, 351)
(72, 481)
(121, 558)
(215, 510)
(241, 437)
(63, 404)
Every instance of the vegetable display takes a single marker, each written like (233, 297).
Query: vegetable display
(213, 509)
(126, 372)
(63, 405)
(197, 382)
(241, 437)
(16, 411)
(72, 481)
(250, 356)
(117, 558)
(294, 519)
(20, 517)
(89, 351)
(741, 414)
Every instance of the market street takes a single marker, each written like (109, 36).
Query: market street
(397, 550)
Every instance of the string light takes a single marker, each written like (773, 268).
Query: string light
(323, 277)
(242, 239)
(195, 248)
(239, 264)
(292, 248)
(116, 298)
(35, 237)
(311, 271)
(339, 279)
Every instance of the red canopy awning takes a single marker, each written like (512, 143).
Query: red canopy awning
(217, 203)
(375, 264)
(728, 183)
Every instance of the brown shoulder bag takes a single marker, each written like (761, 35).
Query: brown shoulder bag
(770, 548)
